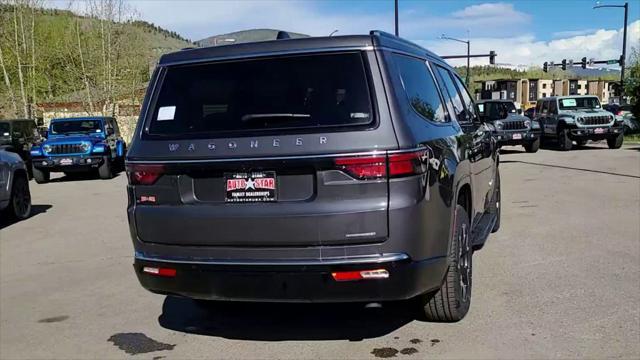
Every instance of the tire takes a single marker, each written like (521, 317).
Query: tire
(40, 176)
(581, 142)
(451, 302)
(532, 147)
(496, 203)
(564, 142)
(104, 170)
(20, 202)
(616, 142)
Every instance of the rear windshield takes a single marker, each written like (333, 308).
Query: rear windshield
(579, 103)
(284, 94)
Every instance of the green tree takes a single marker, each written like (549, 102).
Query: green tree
(632, 81)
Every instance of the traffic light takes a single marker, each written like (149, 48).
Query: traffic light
(545, 67)
(564, 64)
(492, 57)
(584, 62)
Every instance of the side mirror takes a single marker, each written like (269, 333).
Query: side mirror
(110, 131)
(520, 111)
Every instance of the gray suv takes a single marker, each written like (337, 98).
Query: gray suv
(578, 118)
(333, 169)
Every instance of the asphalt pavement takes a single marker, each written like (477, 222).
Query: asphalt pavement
(560, 280)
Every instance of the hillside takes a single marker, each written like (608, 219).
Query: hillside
(481, 73)
(60, 52)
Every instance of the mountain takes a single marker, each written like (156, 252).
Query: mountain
(244, 36)
(593, 72)
(58, 52)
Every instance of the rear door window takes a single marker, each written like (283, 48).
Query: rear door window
(454, 95)
(284, 94)
(420, 88)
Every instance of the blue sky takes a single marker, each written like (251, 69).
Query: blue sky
(521, 32)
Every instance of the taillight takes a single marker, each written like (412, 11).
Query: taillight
(405, 164)
(144, 174)
(364, 167)
(379, 166)
(619, 112)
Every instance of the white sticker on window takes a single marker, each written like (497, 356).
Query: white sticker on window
(568, 102)
(166, 113)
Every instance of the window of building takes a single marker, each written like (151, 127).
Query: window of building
(544, 86)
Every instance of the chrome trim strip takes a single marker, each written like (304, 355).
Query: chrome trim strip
(375, 259)
(293, 157)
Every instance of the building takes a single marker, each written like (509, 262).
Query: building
(527, 91)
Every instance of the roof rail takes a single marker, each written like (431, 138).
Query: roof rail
(188, 48)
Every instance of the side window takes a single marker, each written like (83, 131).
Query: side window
(545, 108)
(420, 88)
(553, 107)
(538, 107)
(471, 107)
(452, 93)
(481, 109)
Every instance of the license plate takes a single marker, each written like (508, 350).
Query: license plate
(66, 161)
(599, 131)
(255, 186)
(516, 136)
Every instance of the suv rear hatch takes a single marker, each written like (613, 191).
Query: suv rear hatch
(280, 151)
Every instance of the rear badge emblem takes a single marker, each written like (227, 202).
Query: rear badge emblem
(192, 147)
(211, 146)
(149, 199)
(174, 147)
(232, 145)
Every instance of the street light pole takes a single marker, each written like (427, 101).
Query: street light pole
(396, 17)
(468, 42)
(624, 43)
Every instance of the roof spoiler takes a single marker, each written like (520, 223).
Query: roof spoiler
(283, 35)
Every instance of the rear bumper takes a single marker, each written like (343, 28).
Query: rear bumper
(293, 281)
(78, 163)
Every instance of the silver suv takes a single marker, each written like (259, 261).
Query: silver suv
(15, 198)
(577, 118)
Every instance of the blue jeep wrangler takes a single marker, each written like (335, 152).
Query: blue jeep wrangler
(79, 145)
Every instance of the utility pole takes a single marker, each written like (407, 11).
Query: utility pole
(624, 43)
(396, 17)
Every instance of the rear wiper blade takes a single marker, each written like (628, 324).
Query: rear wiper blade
(249, 117)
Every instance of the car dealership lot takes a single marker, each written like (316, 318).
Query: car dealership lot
(560, 279)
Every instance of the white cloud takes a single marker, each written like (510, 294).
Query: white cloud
(491, 11)
(527, 50)
(572, 33)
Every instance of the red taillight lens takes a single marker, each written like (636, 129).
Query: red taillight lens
(360, 275)
(364, 167)
(378, 166)
(407, 164)
(619, 112)
(167, 272)
(144, 174)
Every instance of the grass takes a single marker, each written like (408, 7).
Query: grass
(632, 139)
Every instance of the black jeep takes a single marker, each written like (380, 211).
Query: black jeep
(510, 126)
(18, 135)
(333, 169)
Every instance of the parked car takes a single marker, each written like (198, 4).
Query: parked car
(368, 178)
(510, 127)
(79, 145)
(578, 118)
(624, 113)
(15, 198)
(19, 135)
